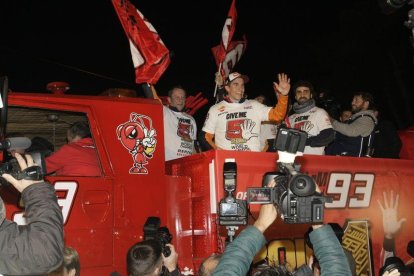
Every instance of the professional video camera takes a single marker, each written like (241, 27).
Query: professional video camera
(12, 167)
(295, 193)
(153, 231)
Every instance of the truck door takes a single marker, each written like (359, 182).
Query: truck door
(86, 201)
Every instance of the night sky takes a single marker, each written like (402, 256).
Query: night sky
(342, 46)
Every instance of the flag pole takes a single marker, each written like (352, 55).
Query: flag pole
(219, 71)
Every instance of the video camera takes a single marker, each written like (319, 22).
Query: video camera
(12, 166)
(295, 193)
(153, 231)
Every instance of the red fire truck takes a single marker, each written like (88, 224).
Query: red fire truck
(105, 215)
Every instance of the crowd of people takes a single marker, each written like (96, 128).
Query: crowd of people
(234, 123)
(237, 123)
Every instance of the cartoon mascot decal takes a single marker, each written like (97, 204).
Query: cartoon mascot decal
(139, 139)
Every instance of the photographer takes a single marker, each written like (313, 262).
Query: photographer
(146, 258)
(35, 248)
(239, 254)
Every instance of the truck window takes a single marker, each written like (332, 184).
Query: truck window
(48, 130)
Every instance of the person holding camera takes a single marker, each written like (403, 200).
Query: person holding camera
(237, 258)
(146, 258)
(35, 248)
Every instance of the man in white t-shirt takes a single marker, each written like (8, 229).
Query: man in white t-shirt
(234, 123)
(180, 128)
(311, 119)
(268, 129)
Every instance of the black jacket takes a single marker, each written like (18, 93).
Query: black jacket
(35, 248)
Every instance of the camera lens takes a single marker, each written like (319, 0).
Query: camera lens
(302, 185)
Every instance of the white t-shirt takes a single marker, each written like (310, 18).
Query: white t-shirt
(268, 130)
(180, 131)
(313, 122)
(236, 126)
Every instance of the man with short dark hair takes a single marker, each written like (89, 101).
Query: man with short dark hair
(311, 119)
(355, 136)
(78, 157)
(234, 123)
(146, 259)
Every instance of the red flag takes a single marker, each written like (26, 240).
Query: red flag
(233, 54)
(229, 25)
(228, 52)
(219, 51)
(149, 54)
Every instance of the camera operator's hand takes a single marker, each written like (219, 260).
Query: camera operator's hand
(283, 86)
(268, 213)
(171, 261)
(394, 272)
(22, 184)
(316, 226)
(389, 215)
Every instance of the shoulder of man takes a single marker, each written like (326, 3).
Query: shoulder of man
(364, 113)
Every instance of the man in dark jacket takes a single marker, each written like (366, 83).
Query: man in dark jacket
(355, 136)
(35, 248)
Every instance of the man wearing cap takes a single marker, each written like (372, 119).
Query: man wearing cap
(311, 119)
(234, 123)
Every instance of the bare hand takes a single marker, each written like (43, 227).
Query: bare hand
(389, 216)
(22, 184)
(393, 272)
(171, 261)
(283, 86)
(316, 226)
(267, 215)
(219, 79)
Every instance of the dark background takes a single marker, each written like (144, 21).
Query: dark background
(342, 46)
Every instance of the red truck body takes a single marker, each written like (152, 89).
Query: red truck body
(105, 215)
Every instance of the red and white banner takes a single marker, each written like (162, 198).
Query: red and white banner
(229, 52)
(149, 54)
(233, 54)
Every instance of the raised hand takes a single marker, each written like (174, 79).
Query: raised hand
(22, 184)
(171, 261)
(247, 128)
(268, 213)
(389, 215)
(283, 86)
